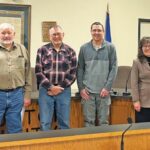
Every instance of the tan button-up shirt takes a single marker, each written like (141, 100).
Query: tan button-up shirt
(15, 69)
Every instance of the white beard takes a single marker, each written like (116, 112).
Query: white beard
(6, 42)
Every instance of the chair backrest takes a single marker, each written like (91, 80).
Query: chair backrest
(123, 78)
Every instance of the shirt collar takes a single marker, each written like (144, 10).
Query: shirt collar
(13, 47)
(62, 48)
(103, 44)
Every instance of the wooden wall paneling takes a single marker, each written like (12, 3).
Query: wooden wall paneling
(31, 118)
(76, 115)
(121, 109)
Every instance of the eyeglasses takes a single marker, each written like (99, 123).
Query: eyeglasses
(56, 34)
(146, 46)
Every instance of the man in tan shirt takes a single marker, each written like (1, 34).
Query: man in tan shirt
(15, 79)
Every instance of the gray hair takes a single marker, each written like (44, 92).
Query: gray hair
(7, 26)
(55, 27)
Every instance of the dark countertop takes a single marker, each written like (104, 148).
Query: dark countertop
(115, 94)
(71, 132)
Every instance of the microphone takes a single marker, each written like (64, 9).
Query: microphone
(129, 119)
(126, 93)
(112, 92)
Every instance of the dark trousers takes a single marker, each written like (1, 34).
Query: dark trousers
(143, 115)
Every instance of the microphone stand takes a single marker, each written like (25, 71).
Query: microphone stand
(126, 93)
(122, 136)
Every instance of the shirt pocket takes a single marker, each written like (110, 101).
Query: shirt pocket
(18, 63)
(66, 63)
(48, 67)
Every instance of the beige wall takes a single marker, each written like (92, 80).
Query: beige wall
(76, 16)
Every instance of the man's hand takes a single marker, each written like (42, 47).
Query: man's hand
(27, 102)
(104, 93)
(85, 94)
(137, 106)
(55, 90)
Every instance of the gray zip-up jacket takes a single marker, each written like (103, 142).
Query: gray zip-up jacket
(97, 69)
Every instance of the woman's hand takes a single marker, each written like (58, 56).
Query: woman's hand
(137, 106)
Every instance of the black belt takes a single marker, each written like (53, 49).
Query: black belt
(8, 90)
(55, 84)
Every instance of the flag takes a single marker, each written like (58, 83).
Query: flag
(107, 26)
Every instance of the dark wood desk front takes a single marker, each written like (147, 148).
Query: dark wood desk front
(121, 108)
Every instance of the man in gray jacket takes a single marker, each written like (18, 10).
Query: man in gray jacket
(97, 69)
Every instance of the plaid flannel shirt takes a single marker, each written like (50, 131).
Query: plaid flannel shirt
(54, 67)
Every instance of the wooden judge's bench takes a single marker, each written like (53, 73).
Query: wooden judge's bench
(121, 108)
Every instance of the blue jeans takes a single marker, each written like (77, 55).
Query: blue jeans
(61, 102)
(11, 103)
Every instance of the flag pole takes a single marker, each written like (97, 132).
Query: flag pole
(107, 25)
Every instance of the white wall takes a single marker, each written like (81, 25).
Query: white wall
(76, 16)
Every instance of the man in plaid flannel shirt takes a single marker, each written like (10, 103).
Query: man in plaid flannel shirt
(55, 70)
